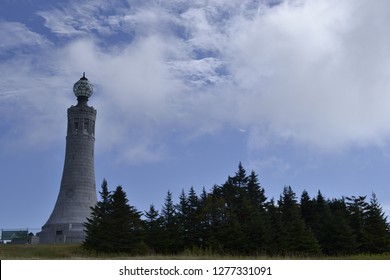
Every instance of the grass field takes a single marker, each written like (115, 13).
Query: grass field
(75, 252)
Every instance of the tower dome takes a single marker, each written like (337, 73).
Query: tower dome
(83, 88)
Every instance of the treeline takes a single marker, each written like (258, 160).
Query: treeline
(237, 218)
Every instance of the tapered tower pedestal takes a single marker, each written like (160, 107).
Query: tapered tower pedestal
(78, 189)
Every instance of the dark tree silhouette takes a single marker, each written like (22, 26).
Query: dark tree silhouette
(237, 218)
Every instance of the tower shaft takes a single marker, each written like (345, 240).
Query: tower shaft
(78, 189)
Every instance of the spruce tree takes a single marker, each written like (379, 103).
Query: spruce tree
(317, 214)
(194, 221)
(126, 224)
(298, 237)
(277, 243)
(339, 238)
(357, 209)
(240, 179)
(376, 228)
(182, 215)
(153, 230)
(114, 226)
(307, 209)
(98, 226)
(215, 219)
(233, 212)
(255, 209)
(255, 192)
(203, 215)
(171, 234)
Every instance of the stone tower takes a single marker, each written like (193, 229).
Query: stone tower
(78, 190)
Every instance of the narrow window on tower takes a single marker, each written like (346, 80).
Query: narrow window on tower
(69, 127)
(76, 125)
(86, 126)
(93, 128)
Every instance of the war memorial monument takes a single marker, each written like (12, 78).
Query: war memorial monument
(78, 188)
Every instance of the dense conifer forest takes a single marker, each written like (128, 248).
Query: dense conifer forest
(237, 218)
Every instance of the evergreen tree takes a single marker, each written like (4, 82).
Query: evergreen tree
(114, 226)
(153, 230)
(238, 215)
(182, 215)
(339, 238)
(298, 238)
(357, 209)
(276, 230)
(216, 218)
(232, 210)
(193, 200)
(255, 192)
(204, 217)
(126, 224)
(203, 197)
(240, 179)
(171, 234)
(235, 218)
(376, 228)
(316, 214)
(194, 221)
(255, 223)
(307, 209)
(98, 227)
(233, 235)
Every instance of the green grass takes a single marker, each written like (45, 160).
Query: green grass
(40, 251)
(76, 252)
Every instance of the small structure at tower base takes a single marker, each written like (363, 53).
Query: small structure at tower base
(62, 233)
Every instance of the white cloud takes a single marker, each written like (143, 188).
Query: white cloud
(15, 35)
(313, 72)
(272, 164)
(30, 111)
(82, 17)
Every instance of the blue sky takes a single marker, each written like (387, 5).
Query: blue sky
(298, 91)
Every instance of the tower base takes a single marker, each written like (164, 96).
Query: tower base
(62, 233)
